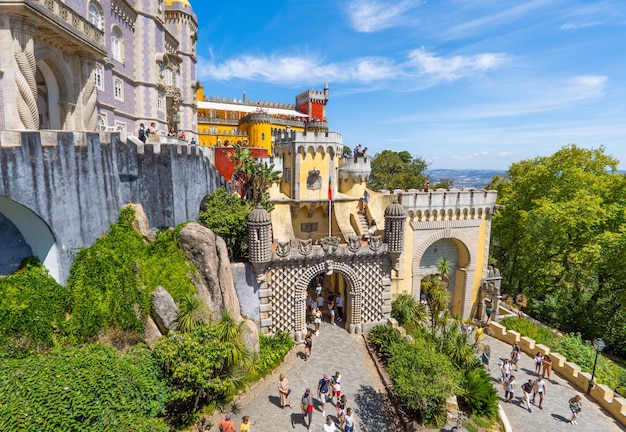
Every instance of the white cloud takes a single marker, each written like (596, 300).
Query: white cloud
(368, 16)
(421, 69)
(452, 68)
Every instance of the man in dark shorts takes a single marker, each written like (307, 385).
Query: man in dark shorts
(322, 391)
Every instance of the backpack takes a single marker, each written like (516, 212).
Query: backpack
(142, 133)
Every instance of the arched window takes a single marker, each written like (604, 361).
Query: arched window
(117, 44)
(95, 15)
(99, 77)
(118, 89)
(102, 122)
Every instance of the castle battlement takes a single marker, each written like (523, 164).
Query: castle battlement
(303, 142)
(451, 203)
(244, 101)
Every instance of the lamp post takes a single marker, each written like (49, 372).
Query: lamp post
(598, 345)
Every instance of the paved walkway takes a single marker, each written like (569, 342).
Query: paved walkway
(334, 350)
(555, 415)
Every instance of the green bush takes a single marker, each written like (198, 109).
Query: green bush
(32, 310)
(423, 378)
(382, 337)
(583, 354)
(479, 394)
(273, 351)
(541, 335)
(408, 311)
(88, 389)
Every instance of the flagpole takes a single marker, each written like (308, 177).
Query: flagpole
(330, 205)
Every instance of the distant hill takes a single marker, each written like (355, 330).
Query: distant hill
(465, 178)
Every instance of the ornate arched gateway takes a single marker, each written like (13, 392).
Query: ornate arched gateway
(284, 273)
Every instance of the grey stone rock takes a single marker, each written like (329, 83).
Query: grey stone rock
(165, 310)
(251, 336)
(214, 284)
(247, 290)
(151, 332)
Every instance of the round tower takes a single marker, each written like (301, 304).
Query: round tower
(395, 218)
(259, 235)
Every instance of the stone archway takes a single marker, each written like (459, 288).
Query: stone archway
(52, 93)
(353, 295)
(24, 225)
(464, 240)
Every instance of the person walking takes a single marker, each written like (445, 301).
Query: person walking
(339, 303)
(486, 357)
(516, 356)
(489, 312)
(341, 410)
(335, 386)
(329, 426)
(510, 388)
(350, 421)
(575, 406)
(322, 391)
(284, 391)
(539, 389)
(538, 362)
(547, 367)
(308, 345)
(245, 424)
(317, 319)
(366, 200)
(227, 424)
(505, 368)
(307, 407)
(527, 388)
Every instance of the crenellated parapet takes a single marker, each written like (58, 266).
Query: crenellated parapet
(448, 203)
(359, 169)
(289, 142)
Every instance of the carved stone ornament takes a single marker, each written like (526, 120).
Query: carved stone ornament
(283, 248)
(354, 243)
(329, 244)
(376, 242)
(305, 246)
(330, 266)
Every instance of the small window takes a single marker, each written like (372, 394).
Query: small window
(118, 89)
(160, 102)
(95, 15)
(99, 77)
(102, 122)
(168, 77)
(117, 44)
(288, 175)
(262, 136)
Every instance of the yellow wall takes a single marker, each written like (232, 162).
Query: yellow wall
(309, 161)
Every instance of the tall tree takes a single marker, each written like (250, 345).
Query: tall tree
(397, 170)
(563, 217)
(253, 175)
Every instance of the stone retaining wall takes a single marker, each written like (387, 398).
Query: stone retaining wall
(603, 395)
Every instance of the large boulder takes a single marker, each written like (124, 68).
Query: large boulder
(209, 254)
(165, 310)
(141, 223)
(251, 336)
(151, 332)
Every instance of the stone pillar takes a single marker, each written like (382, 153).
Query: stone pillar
(89, 95)
(23, 32)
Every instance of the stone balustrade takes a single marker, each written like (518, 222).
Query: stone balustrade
(603, 395)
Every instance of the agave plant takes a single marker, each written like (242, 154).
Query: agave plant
(191, 313)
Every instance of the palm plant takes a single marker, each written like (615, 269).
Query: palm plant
(192, 313)
(408, 311)
(229, 331)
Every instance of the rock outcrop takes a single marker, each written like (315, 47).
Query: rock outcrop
(251, 336)
(165, 310)
(209, 254)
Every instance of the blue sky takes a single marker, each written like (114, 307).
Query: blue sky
(461, 83)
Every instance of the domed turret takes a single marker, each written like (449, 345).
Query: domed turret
(395, 218)
(259, 235)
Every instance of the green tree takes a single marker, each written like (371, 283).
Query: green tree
(226, 215)
(444, 183)
(397, 170)
(254, 176)
(560, 235)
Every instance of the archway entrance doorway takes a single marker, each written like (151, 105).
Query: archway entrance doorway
(330, 294)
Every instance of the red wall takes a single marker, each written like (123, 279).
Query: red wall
(222, 161)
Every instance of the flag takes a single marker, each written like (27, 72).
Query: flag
(330, 188)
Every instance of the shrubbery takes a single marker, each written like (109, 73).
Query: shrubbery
(574, 349)
(273, 351)
(87, 389)
(32, 310)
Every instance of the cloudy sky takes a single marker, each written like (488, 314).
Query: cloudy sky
(461, 83)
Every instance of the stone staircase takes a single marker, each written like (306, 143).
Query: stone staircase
(363, 222)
